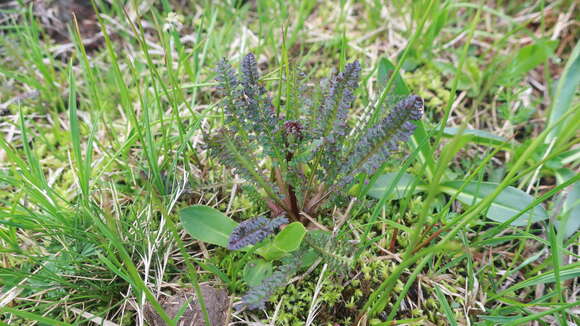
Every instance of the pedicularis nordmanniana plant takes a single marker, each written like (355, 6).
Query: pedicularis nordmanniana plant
(307, 145)
(297, 151)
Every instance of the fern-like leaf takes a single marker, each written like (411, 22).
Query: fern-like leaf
(257, 296)
(379, 141)
(334, 116)
(226, 147)
(339, 97)
(252, 231)
(338, 254)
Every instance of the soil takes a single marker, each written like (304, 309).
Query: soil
(216, 301)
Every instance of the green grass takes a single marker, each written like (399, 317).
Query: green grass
(101, 145)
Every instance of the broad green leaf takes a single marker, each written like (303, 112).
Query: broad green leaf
(256, 271)
(207, 224)
(412, 60)
(572, 211)
(270, 252)
(570, 214)
(508, 203)
(286, 241)
(290, 238)
(402, 188)
(478, 136)
(526, 59)
(565, 91)
(421, 141)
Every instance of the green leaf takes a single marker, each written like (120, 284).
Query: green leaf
(32, 316)
(286, 241)
(256, 271)
(385, 71)
(570, 214)
(558, 162)
(421, 141)
(562, 100)
(207, 224)
(412, 60)
(400, 189)
(527, 59)
(439, 20)
(464, 82)
(508, 203)
(268, 251)
(445, 305)
(290, 238)
(571, 271)
(309, 258)
(478, 136)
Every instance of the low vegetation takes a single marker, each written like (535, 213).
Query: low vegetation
(289, 163)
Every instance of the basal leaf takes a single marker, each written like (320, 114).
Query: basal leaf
(565, 90)
(286, 241)
(207, 224)
(400, 189)
(385, 71)
(570, 214)
(290, 238)
(509, 202)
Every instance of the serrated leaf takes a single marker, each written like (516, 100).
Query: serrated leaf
(337, 253)
(207, 224)
(256, 271)
(253, 231)
(420, 139)
(400, 189)
(309, 258)
(509, 202)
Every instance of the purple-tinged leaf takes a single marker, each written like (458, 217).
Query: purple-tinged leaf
(253, 231)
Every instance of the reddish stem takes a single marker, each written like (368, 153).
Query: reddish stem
(393, 240)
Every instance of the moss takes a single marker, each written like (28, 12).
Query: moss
(297, 297)
(428, 84)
